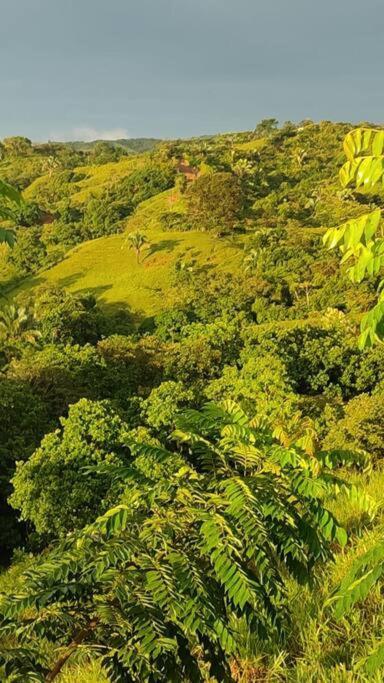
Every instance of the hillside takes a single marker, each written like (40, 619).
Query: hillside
(191, 434)
(107, 267)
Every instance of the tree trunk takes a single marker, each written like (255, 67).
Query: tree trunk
(78, 639)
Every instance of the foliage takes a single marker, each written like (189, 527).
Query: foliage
(214, 202)
(261, 386)
(266, 127)
(91, 434)
(16, 330)
(362, 426)
(17, 145)
(23, 419)
(354, 588)
(102, 216)
(164, 402)
(145, 183)
(10, 201)
(28, 214)
(264, 316)
(64, 318)
(29, 253)
(137, 240)
(61, 375)
(196, 540)
(169, 324)
(360, 240)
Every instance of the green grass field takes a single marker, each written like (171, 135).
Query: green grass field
(107, 267)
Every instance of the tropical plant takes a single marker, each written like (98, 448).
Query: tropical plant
(137, 241)
(51, 164)
(203, 535)
(10, 199)
(185, 269)
(253, 259)
(361, 240)
(17, 327)
(364, 574)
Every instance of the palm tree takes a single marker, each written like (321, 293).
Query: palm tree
(16, 326)
(253, 259)
(137, 241)
(50, 164)
(305, 287)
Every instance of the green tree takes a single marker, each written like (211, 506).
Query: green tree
(10, 202)
(215, 202)
(103, 215)
(17, 329)
(361, 243)
(362, 426)
(260, 386)
(91, 434)
(145, 183)
(17, 145)
(23, 421)
(137, 240)
(29, 253)
(104, 152)
(61, 375)
(266, 127)
(169, 324)
(66, 318)
(204, 534)
(160, 408)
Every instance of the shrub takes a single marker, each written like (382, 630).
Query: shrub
(362, 426)
(91, 434)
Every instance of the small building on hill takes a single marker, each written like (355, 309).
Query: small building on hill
(190, 172)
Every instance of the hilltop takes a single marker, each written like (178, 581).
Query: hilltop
(132, 145)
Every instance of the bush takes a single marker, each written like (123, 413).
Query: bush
(145, 183)
(103, 216)
(164, 401)
(29, 253)
(171, 220)
(65, 318)
(91, 434)
(362, 426)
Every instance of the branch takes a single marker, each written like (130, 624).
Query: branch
(77, 640)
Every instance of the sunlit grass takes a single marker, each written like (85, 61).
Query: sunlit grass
(108, 268)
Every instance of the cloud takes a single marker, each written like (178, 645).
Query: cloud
(88, 134)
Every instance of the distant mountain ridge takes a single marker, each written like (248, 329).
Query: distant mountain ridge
(135, 145)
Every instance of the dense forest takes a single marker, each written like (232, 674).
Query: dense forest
(191, 407)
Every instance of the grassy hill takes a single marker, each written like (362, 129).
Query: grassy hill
(90, 180)
(107, 267)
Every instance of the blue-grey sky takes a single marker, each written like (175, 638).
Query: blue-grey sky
(80, 69)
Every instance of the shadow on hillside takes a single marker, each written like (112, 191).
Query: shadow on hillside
(70, 279)
(124, 320)
(163, 245)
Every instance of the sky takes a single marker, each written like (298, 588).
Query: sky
(87, 69)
